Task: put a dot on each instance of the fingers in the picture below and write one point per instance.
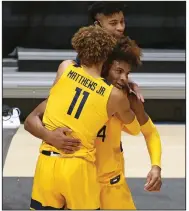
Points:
(148, 179)
(154, 186)
(71, 142)
(140, 97)
(149, 185)
(66, 129)
(69, 149)
(159, 186)
(70, 145)
(136, 89)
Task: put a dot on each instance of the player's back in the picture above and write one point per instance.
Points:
(79, 102)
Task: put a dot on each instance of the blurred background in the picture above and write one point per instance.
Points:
(36, 38)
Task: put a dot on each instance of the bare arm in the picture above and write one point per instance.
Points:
(33, 124)
(118, 103)
(138, 108)
(153, 143)
(148, 129)
(136, 89)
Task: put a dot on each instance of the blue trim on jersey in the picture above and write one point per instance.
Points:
(77, 60)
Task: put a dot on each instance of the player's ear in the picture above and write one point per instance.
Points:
(97, 23)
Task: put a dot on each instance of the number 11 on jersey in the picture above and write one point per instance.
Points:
(74, 101)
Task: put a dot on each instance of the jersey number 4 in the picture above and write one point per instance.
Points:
(81, 105)
(102, 133)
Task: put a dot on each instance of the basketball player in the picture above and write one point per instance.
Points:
(115, 193)
(112, 19)
(110, 16)
(81, 100)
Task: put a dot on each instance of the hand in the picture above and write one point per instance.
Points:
(134, 87)
(153, 181)
(136, 105)
(58, 139)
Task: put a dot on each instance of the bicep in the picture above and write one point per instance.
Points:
(35, 117)
(39, 110)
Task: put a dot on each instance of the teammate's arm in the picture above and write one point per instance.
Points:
(33, 124)
(136, 89)
(153, 143)
(148, 129)
(118, 104)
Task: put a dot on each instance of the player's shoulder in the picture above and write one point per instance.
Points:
(66, 63)
(63, 66)
(118, 94)
(119, 97)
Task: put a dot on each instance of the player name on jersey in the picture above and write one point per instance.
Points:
(86, 82)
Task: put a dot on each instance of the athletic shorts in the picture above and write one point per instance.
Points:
(58, 180)
(115, 194)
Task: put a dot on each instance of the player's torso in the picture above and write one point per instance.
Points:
(78, 101)
(108, 151)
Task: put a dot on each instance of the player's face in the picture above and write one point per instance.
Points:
(114, 24)
(118, 74)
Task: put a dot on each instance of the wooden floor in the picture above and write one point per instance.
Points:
(24, 149)
(21, 159)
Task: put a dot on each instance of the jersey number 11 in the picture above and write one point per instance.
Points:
(81, 105)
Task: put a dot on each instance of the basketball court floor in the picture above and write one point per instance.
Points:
(22, 156)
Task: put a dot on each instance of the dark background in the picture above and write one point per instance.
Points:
(50, 25)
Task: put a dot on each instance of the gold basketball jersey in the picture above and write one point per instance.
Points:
(79, 102)
(108, 149)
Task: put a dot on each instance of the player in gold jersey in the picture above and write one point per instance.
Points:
(115, 193)
(112, 19)
(78, 90)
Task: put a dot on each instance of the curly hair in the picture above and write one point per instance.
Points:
(125, 50)
(93, 45)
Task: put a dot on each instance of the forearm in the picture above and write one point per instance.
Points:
(33, 124)
(153, 142)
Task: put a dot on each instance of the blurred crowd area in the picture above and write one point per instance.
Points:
(50, 25)
(36, 38)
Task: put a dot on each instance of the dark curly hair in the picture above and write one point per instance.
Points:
(93, 45)
(106, 8)
(125, 50)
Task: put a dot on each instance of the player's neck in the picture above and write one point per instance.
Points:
(94, 70)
